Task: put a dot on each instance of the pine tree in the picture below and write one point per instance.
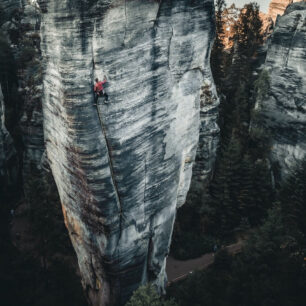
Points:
(217, 56)
(248, 29)
(147, 296)
(224, 188)
(235, 109)
(293, 202)
(247, 39)
(241, 113)
(7, 67)
(262, 85)
(246, 196)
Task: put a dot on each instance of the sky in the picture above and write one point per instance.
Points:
(264, 4)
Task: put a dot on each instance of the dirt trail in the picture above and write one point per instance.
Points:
(23, 238)
(179, 269)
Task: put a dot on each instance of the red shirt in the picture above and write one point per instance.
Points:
(99, 86)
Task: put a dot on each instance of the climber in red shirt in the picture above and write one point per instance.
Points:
(99, 89)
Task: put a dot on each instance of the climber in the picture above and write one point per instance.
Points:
(99, 90)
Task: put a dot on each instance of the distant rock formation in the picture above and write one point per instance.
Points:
(267, 24)
(283, 109)
(278, 7)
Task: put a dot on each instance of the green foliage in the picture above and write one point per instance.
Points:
(247, 39)
(259, 141)
(236, 200)
(241, 190)
(224, 186)
(217, 54)
(46, 214)
(271, 270)
(208, 288)
(268, 272)
(3, 15)
(27, 55)
(248, 30)
(237, 87)
(49, 277)
(148, 296)
(8, 80)
(262, 85)
(22, 282)
(292, 200)
(7, 73)
(27, 52)
(186, 245)
(223, 260)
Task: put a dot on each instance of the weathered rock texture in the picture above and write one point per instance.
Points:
(267, 24)
(22, 29)
(208, 141)
(122, 169)
(8, 168)
(7, 7)
(30, 87)
(278, 7)
(284, 108)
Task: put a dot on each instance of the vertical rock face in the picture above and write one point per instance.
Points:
(8, 170)
(122, 168)
(23, 31)
(267, 24)
(7, 7)
(30, 86)
(283, 108)
(208, 139)
(278, 7)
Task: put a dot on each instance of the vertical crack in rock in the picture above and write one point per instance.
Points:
(295, 30)
(121, 215)
(133, 155)
(145, 187)
(125, 23)
(169, 47)
(155, 20)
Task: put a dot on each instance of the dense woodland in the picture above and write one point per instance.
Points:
(242, 200)
(241, 190)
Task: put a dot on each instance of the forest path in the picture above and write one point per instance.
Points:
(180, 269)
(23, 239)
